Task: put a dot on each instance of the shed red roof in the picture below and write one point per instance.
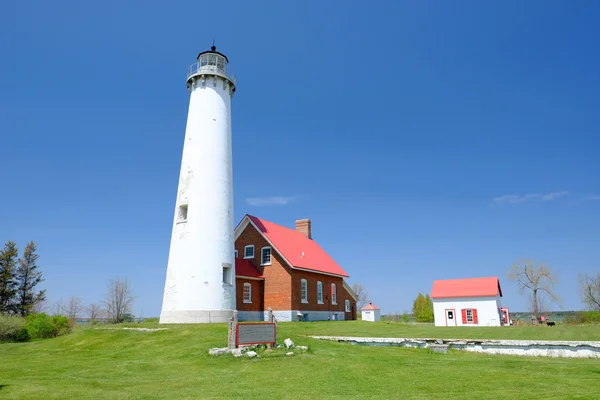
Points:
(245, 268)
(471, 287)
(370, 307)
(297, 249)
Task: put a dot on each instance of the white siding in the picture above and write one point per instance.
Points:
(370, 315)
(488, 313)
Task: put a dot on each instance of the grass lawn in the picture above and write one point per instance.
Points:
(174, 364)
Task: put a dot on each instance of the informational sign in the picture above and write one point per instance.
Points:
(255, 333)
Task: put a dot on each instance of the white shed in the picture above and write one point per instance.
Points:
(370, 313)
(468, 302)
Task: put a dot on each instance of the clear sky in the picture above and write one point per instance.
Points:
(425, 139)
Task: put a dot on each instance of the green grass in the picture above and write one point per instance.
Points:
(173, 364)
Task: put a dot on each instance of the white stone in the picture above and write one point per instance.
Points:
(289, 353)
(288, 343)
(202, 243)
(238, 352)
(304, 348)
(251, 354)
(218, 351)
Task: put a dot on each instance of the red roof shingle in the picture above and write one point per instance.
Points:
(297, 249)
(245, 268)
(370, 306)
(470, 287)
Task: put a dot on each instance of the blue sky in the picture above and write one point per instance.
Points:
(426, 139)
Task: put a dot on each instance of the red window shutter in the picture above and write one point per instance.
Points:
(464, 315)
(475, 321)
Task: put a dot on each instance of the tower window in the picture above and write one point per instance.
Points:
(227, 273)
(235, 252)
(183, 213)
(249, 251)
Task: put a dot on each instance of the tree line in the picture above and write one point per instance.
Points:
(19, 294)
(19, 278)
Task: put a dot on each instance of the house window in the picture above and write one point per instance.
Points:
(183, 212)
(320, 292)
(235, 252)
(247, 293)
(347, 305)
(304, 291)
(265, 256)
(333, 294)
(227, 273)
(469, 316)
(249, 251)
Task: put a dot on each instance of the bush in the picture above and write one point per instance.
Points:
(153, 320)
(63, 324)
(584, 317)
(41, 326)
(11, 328)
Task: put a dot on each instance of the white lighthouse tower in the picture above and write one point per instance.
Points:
(200, 282)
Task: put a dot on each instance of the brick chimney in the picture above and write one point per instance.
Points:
(303, 225)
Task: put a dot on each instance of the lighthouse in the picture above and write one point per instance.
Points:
(200, 279)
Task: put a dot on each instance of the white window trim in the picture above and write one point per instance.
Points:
(347, 302)
(304, 283)
(252, 246)
(227, 266)
(270, 257)
(319, 292)
(249, 286)
(333, 294)
(235, 253)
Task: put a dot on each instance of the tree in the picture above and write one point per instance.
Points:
(8, 262)
(118, 301)
(589, 287)
(73, 308)
(423, 308)
(361, 294)
(27, 277)
(538, 281)
(94, 311)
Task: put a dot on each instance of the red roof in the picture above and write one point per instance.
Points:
(370, 307)
(245, 268)
(297, 249)
(471, 287)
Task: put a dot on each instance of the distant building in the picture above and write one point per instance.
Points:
(468, 302)
(370, 313)
(286, 270)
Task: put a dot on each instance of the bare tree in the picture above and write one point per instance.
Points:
(73, 308)
(536, 280)
(58, 308)
(40, 307)
(589, 287)
(361, 294)
(118, 301)
(94, 311)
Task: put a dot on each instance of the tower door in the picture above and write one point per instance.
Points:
(450, 317)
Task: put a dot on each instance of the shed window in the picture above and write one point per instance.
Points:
(469, 316)
(304, 291)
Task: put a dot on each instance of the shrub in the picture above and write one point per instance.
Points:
(63, 324)
(153, 320)
(584, 317)
(41, 326)
(11, 328)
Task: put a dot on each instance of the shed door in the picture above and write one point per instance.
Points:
(451, 317)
